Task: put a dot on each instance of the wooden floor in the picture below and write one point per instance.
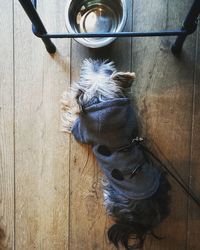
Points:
(50, 197)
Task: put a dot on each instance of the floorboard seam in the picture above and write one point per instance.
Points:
(14, 156)
(191, 140)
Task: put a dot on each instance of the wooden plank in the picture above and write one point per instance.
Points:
(42, 159)
(163, 93)
(6, 127)
(194, 211)
(88, 220)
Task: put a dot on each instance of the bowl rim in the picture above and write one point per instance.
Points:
(104, 41)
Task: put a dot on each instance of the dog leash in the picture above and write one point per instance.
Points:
(116, 173)
(138, 141)
(176, 176)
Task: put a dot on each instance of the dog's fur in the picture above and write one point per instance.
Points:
(134, 218)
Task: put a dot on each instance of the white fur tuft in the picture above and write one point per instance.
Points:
(95, 80)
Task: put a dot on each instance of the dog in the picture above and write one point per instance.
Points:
(97, 110)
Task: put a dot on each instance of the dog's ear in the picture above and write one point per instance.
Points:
(123, 79)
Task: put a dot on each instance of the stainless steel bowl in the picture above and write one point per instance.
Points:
(85, 16)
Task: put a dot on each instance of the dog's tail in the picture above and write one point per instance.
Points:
(131, 233)
(123, 233)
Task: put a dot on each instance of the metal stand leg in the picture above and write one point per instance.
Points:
(38, 27)
(189, 25)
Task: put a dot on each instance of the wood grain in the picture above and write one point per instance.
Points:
(50, 191)
(88, 220)
(194, 211)
(42, 159)
(164, 96)
(6, 127)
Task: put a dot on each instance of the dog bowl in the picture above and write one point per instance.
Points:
(95, 16)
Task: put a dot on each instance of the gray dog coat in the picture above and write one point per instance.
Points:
(113, 125)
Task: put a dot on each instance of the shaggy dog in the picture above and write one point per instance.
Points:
(98, 112)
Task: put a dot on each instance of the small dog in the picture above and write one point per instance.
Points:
(98, 111)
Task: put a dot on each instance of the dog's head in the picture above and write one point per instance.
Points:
(101, 79)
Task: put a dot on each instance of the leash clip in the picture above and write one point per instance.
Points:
(137, 140)
(134, 141)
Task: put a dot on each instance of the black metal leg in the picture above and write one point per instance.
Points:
(38, 27)
(189, 25)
